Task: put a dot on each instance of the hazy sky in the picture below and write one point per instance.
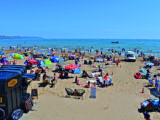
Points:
(81, 18)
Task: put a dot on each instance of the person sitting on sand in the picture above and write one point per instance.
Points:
(84, 74)
(39, 72)
(106, 81)
(88, 85)
(44, 77)
(61, 75)
(46, 69)
(14, 62)
(148, 73)
(32, 71)
(99, 80)
(36, 74)
(76, 62)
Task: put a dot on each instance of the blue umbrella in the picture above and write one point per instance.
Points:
(149, 63)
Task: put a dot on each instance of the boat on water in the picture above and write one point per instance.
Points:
(116, 42)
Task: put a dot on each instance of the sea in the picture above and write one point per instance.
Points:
(147, 46)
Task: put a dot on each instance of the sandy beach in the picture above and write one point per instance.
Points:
(118, 102)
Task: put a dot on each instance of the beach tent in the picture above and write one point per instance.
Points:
(1, 52)
(76, 71)
(41, 63)
(55, 59)
(48, 62)
(71, 67)
(18, 56)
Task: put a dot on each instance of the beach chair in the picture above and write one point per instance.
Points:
(78, 93)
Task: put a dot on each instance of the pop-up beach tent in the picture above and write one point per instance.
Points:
(41, 63)
(48, 62)
(55, 59)
(77, 71)
(18, 56)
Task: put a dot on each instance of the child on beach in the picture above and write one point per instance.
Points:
(106, 81)
(117, 62)
(88, 85)
(54, 79)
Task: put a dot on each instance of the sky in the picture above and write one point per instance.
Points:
(120, 19)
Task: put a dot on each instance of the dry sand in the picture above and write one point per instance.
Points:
(118, 102)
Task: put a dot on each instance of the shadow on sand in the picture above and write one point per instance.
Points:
(154, 92)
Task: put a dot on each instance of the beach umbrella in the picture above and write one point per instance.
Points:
(33, 61)
(71, 67)
(149, 63)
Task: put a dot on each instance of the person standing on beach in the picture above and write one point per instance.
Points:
(101, 52)
(97, 51)
(76, 62)
(123, 50)
(117, 62)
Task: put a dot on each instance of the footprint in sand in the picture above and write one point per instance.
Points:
(106, 107)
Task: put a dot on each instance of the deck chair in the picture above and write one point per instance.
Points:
(69, 91)
(78, 93)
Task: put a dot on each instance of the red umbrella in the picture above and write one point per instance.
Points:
(32, 61)
(71, 67)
